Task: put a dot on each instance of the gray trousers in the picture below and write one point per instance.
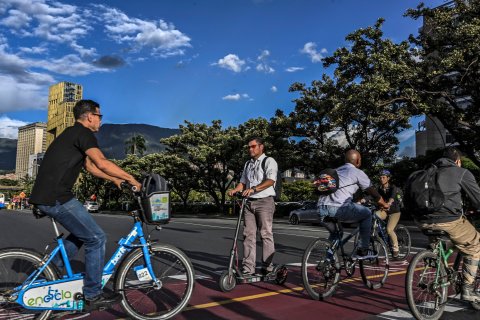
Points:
(258, 216)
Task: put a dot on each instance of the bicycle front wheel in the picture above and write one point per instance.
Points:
(16, 265)
(426, 296)
(320, 269)
(145, 299)
(476, 305)
(404, 242)
(374, 271)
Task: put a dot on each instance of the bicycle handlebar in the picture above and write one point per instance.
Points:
(126, 185)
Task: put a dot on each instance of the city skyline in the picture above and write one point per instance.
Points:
(161, 63)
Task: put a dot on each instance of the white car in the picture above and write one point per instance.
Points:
(307, 213)
(91, 206)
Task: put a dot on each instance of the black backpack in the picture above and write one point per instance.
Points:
(423, 195)
(278, 183)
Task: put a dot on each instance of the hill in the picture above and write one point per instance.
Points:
(112, 137)
(8, 153)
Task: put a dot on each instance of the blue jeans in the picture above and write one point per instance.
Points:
(83, 230)
(351, 212)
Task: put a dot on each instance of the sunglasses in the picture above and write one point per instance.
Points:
(100, 116)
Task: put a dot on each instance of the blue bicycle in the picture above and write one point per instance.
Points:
(155, 280)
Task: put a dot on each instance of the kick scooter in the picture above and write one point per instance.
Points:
(233, 276)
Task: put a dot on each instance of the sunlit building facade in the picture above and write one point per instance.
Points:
(61, 100)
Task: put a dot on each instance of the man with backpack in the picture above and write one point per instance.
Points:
(434, 197)
(340, 203)
(257, 184)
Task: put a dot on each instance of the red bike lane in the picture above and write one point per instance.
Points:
(262, 300)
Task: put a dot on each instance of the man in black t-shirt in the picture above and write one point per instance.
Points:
(52, 193)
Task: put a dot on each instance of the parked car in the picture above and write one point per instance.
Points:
(91, 206)
(307, 213)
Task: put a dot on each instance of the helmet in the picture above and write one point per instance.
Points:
(385, 172)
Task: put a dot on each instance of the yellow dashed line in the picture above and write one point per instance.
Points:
(274, 293)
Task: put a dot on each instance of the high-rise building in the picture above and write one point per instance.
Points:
(61, 99)
(31, 140)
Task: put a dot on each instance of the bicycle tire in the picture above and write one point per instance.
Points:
(16, 264)
(141, 299)
(320, 274)
(420, 276)
(374, 271)
(404, 242)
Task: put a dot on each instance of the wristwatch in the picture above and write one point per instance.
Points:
(254, 189)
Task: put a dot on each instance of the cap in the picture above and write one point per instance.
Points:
(385, 172)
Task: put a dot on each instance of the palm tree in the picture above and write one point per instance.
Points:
(135, 145)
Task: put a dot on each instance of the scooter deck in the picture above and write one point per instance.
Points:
(256, 278)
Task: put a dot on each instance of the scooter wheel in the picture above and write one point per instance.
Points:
(281, 274)
(227, 281)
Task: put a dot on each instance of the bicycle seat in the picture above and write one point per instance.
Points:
(330, 219)
(434, 233)
(37, 213)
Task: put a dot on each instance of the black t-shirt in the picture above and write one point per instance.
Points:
(61, 165)
(390, 193)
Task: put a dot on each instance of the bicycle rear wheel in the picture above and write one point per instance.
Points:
(374, 271)
(144, 299)
(320, 269)
(426, 296)
(476, 305)
(16, 265)
(404, 242)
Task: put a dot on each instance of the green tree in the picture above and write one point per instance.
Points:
(449, 66)
(135, 145)
(179, 172)
(362, 107)
(299, 190)
(213, 152)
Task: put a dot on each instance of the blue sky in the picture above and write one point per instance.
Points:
(163, 62)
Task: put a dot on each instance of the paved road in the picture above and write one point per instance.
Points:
(207, 242)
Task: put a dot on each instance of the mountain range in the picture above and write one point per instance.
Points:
(111, 139)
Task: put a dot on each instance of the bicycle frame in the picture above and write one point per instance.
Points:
(338, 241)
(66, 292)
(444, 255)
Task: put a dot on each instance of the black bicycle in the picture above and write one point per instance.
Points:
(379, 230)
(324, 259)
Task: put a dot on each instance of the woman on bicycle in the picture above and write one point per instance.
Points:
(389, 194)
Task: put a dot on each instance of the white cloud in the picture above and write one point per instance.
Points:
(33, 50)
(237, 96)
(231, 62)
(294, 69)
(164, 39)
(274, 89)
(49, 20)
(310, 48)
(405, 135)
(68, 65)
(16, 96)
(263, 65)
(9, 127)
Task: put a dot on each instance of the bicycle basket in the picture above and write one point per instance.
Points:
(155, 200)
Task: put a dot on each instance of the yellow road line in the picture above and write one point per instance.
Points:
(273, 293)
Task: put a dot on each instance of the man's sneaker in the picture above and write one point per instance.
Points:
(469, 294)
(102, 301)
(266, 270)
(364, 253)
(247, 273)
(395, 255)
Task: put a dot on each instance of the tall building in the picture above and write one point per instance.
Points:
(61, 99)
(431, 135)
(31, 140)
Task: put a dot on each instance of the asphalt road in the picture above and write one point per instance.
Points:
(207, 242)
